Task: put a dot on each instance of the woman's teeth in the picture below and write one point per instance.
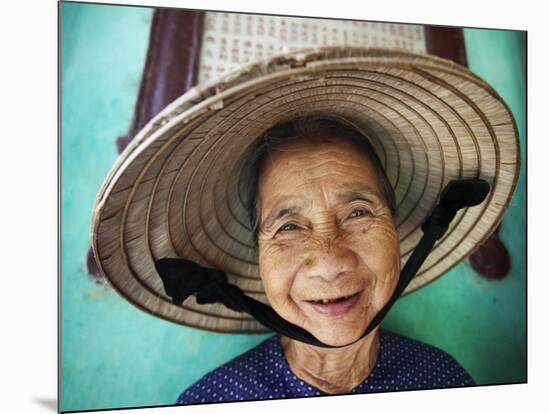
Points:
(325, 301)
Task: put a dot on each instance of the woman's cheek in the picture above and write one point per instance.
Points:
(381, 253)
(378, 244)
(277, 270)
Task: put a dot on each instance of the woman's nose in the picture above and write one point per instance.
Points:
(328, 260)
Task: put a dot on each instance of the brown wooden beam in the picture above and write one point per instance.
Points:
(446, 42)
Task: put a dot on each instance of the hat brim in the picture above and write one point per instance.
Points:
(175, 190)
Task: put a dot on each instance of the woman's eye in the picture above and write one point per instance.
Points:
(288, 227)
(358, 212)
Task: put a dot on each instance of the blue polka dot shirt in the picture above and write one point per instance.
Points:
(263, 373)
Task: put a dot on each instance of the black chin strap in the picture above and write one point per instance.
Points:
(183, 277)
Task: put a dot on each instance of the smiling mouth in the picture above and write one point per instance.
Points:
(335, 307)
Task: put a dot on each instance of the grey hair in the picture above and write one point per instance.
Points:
(320, 124)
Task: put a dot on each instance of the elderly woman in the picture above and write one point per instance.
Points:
(322, 211)
(365, 158)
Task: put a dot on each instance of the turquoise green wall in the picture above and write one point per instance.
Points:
(114, 355)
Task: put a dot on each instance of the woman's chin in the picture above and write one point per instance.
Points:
(334, 336)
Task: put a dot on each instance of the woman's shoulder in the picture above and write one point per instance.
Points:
(419, 364)
(242, 378)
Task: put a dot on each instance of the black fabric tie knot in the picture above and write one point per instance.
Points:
(182, 277)
(456, 195)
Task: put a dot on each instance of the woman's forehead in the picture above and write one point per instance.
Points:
(314, 158)
(330, 169)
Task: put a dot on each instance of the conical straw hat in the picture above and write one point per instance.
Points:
(174, 191)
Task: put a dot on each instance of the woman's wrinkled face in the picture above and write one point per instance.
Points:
(328, 248)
